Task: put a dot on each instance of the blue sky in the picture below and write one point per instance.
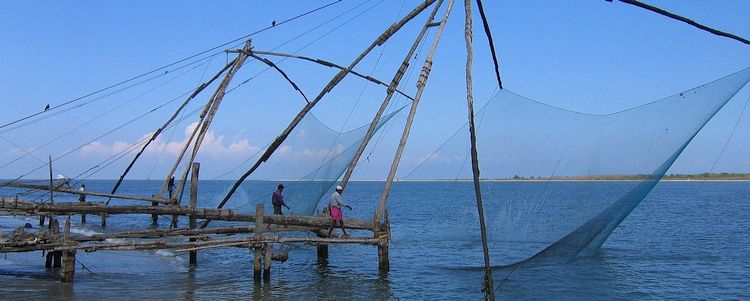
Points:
(590, 56)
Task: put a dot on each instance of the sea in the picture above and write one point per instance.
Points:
(686, 241)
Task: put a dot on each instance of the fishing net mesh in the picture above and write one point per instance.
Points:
(551, 213)
(308, 164)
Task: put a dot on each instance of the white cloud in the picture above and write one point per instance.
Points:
(213, 145)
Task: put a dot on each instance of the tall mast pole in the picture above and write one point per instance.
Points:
(421, 83)
(489, 292)
(391, 89)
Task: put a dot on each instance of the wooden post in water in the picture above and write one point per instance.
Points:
(421, 83)
(488, 286)
(258, 251)
(103, 217)
(193, 202)
(54, 228)
(154, 216)
(68, 258)
(268, 251)
(322, 250)
(383, 262)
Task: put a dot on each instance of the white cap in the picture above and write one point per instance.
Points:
(339, 188)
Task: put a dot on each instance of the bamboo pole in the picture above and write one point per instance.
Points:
(421, 83)
(489, 292)
(331, 84)
(391, 88)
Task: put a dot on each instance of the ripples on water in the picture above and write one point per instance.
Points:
(685, 241)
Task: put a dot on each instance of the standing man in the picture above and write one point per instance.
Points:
(336, 215)
(278, 200)
(82, 199)
(170, 187)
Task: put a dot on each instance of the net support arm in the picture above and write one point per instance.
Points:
(332, 65)
(171, 118)
(217, 98)
(391, 88)
(488, 290)
(421, 83)
(334, 81)
(685, 20)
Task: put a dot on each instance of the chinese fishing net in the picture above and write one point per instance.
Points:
(308, 164)
(552, 212)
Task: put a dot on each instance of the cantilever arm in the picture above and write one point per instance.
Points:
(332, 65)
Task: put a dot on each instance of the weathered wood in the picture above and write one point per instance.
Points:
(245, 242)
(258, 250)
(391, 88)
(91, 193)
(51, 201)
(68, 257)
(103, 219)
(216, 98)
(200, 213)
(421, 83)
(488, 287)
(193, 255)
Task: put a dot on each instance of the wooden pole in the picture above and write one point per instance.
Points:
(51, 201)
(421, 83)
(391, 88)
(91, 193)
(200, 213)
(331, 84)
(217, 97)
(193, 202)
(258, 251)
(68, 258)
(488, 289)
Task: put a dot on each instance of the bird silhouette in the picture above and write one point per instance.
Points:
(273, 23)
(47, 107)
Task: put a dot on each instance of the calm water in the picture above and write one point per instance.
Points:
(687, 240)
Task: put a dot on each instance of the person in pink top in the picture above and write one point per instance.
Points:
(336, 204)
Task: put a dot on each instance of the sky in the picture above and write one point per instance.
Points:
(589, 56)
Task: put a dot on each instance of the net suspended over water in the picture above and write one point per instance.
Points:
(553, 218)
(308, 164)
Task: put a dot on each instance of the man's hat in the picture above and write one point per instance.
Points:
(339, 188)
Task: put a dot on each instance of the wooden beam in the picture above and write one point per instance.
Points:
(201, 213)
(73, 191)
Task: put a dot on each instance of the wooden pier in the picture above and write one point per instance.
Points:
(257, 232)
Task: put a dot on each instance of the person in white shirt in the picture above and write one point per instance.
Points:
(336, 204)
